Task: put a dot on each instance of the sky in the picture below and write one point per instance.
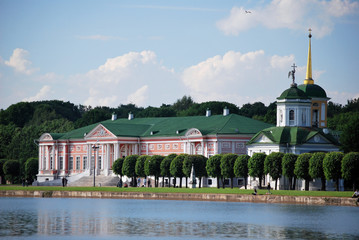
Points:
(149, 53)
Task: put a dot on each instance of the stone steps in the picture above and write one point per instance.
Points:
(87, 181)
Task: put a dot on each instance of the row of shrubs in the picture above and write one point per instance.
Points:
(306, 166)
(14, 171)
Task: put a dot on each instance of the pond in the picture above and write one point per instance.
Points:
(40, 218)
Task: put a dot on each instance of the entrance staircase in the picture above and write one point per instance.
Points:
(87, 181)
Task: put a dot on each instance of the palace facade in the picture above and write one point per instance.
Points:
(94, 148)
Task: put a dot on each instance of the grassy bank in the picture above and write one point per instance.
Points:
(181, 190)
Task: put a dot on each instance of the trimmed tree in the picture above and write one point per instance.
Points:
(227, 165)
(213, 168)
(200, 168)
(332, 165)
(2, 175)
(256, 166)
(11, 170)
(176, 168)
(273, 166)
(140, 165)
(165, 168)
(288, 166)
(240, 168)
(350, 168)
(153, 167)
(117, 166)
(316, 167)
(31, 169)
(187, 166)
(301, 169)
(129, 168)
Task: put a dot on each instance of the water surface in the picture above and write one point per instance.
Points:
(41, 218)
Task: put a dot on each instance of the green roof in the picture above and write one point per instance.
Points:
(293, 93)
(174, 126)
(292, 135)
(313, 90)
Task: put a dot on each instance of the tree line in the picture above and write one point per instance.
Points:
(306, 166)
(24, 122)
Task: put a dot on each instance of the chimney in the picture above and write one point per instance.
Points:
(225, 111)
(130, 116)
(114, 116)
(208, 112)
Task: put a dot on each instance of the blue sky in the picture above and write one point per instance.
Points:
(107, 53)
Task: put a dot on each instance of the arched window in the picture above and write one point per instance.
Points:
(291, 115)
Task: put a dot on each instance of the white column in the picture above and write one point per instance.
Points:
(115, 151)
(233, 147)
(53, 157)
(146, 148)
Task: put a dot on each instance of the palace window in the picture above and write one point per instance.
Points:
(99, 162)
(84, 162)
(61, 163)
(77, 163)
(51, 163)
(71, 163)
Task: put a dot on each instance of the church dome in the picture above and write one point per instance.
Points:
(313, 90)
(293, 93)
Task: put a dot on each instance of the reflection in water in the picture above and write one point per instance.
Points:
(169, 219)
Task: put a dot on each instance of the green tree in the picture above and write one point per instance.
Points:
(273, 165)
(188, 161)
(117, 166)
(227, 165)
(140, 165)
(301, 169)
(200, 168)
(31, 169)
(2, 175)
(316, 167)
(213, 168)
(153, 167)
(288, 166)
(332, 165)
(240, 168)
(129, 168)
(199, 165)
(349, 138)
(11, 170)
(256, 166)
(165, 168)
(176, 168)
(350, 168)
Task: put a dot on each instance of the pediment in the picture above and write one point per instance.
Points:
(318, 139)
(100, 132)
(262, 139)
(46, 137)
(193, 132)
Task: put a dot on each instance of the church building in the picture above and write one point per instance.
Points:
(301, 121)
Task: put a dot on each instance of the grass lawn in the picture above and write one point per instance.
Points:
(180, 190)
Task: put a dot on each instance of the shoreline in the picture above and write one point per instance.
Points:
(305, 200)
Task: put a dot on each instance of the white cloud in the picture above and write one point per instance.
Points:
(239, 78)
(135, 77)
(43, 94)
(341, 97)
(19, 62)
(139, 97)
(291, 14)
